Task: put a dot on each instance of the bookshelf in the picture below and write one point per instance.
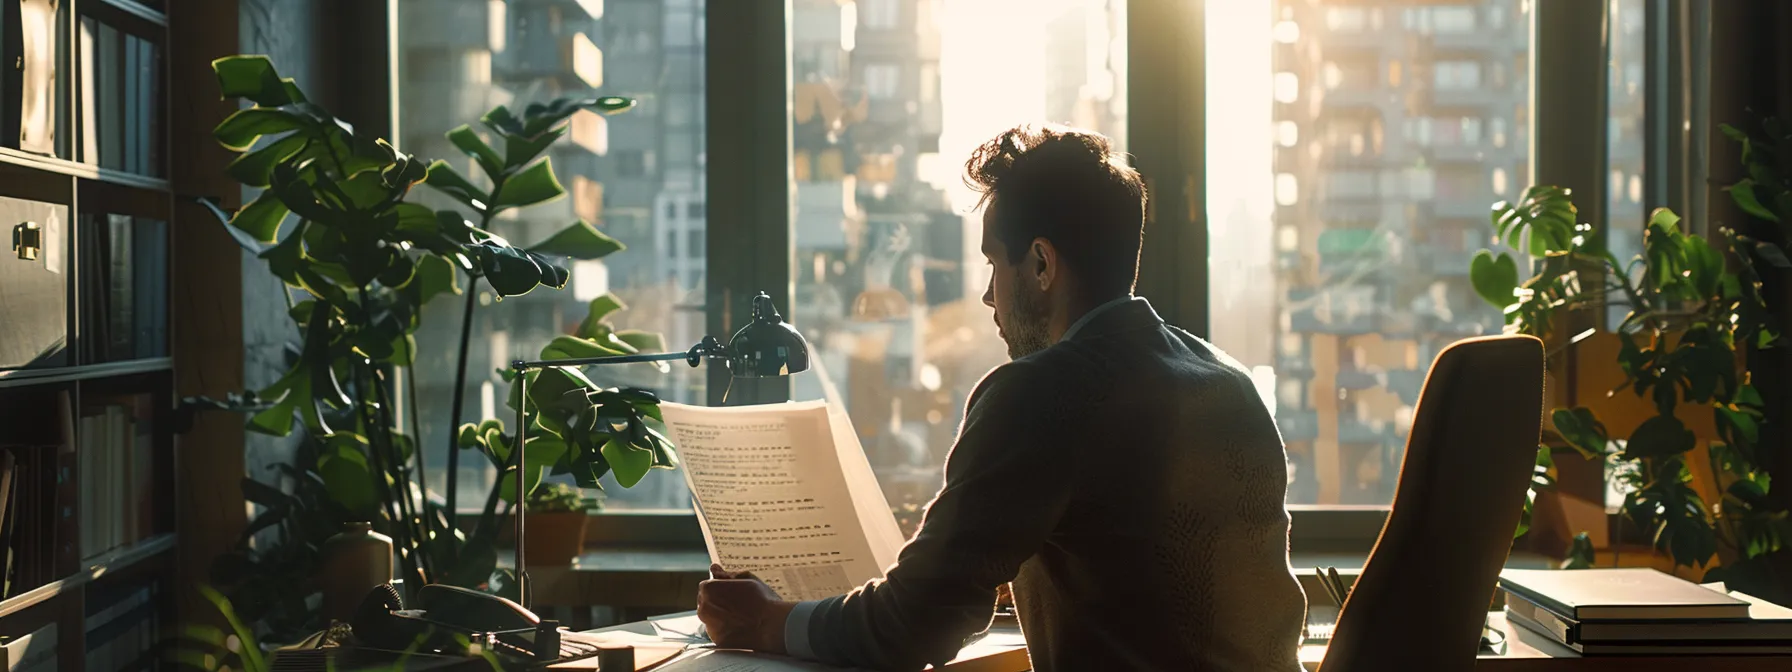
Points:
(87, 375)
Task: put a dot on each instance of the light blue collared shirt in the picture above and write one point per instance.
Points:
(796, 625)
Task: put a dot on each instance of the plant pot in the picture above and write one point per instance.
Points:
(554, 539)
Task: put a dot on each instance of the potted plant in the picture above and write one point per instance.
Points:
(557, 513)
(1690, 465)
(358, 260)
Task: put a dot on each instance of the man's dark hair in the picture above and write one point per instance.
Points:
(1067, 186)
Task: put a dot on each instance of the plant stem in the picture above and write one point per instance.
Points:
(417, 524)
(410, 383)
(460, 386)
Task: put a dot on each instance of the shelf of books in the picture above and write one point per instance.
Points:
(87, 460)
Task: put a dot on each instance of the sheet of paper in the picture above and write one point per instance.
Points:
(785, 491)
(740, 661)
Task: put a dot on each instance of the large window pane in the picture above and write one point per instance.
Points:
(1624, 209)
(1352, 157)
(890, 98)
(637, 176)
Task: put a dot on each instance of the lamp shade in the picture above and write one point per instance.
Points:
(768, 346)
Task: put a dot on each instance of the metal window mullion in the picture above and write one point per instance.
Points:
(1166, 126)
(750, 190)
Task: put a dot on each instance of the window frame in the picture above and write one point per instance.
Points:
(750, 181)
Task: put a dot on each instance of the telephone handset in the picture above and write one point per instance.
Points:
(451, 620)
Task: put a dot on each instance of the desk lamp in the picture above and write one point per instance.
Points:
(767, 347)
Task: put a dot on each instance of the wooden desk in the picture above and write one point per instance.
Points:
(1527, 651)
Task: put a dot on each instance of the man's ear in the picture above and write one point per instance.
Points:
(1044, 258)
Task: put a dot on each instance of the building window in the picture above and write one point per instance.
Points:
(694, 210)
(1456, 75)
(1346, 19)
(882, 80)
(631, 163)
(694, 247)
(880, 14)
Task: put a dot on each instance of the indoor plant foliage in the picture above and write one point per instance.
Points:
(358, 261)
(1693, 320)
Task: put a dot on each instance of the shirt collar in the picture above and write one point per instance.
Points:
(1093, 312)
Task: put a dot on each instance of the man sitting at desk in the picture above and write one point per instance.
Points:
(1121, 472)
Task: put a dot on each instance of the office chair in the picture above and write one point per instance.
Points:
(1423, 595)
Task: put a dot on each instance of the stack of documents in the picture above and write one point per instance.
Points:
(1643, 612)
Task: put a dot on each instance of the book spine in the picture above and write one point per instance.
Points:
(89, 105)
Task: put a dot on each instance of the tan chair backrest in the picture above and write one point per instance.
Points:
(1423, 595)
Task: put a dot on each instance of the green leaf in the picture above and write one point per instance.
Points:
(643, 341)
(579, 241)
(256, 168)
(519, 150)
(508, 270)
(572, 347)
(435, 276)
(1772, 254)
(1494, 278)
(239, 131)
(596, 312)
(444, 178)
(275, 421)
(541, 452)
(1582, 431)
(346, 476)
(1743, 193)
(628, 463)
(1659, 436)
(243, 238)
(535, 184)
(1706, 266)
(253, 77)
(261, 218)
(469, 142)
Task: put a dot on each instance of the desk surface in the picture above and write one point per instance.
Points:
(1526, 651)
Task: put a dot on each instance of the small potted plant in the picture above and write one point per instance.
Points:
(557, 514)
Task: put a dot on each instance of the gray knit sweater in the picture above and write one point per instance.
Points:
(1129, 482)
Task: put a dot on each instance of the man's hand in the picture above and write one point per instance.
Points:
(741, 612)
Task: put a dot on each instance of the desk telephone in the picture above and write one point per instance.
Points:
(456, 621)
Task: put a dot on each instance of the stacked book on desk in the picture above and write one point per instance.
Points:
(1643, 612)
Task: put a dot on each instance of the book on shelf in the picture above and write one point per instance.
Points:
(121, 627)
(1620, 594)
(8, 518)
(38, 53)
(34, 652)
(116, 472)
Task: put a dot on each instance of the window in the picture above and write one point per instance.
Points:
(694, 246)
(1625, 212)
(889, 276)
(880, 14)
(1355, 317)
(694, 210)
(654, 50)
(882, 80)
(630, 163)
(1346, 19)
(1456, 75)
(1453, 19)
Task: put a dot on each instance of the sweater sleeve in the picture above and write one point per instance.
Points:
(1008, 481)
